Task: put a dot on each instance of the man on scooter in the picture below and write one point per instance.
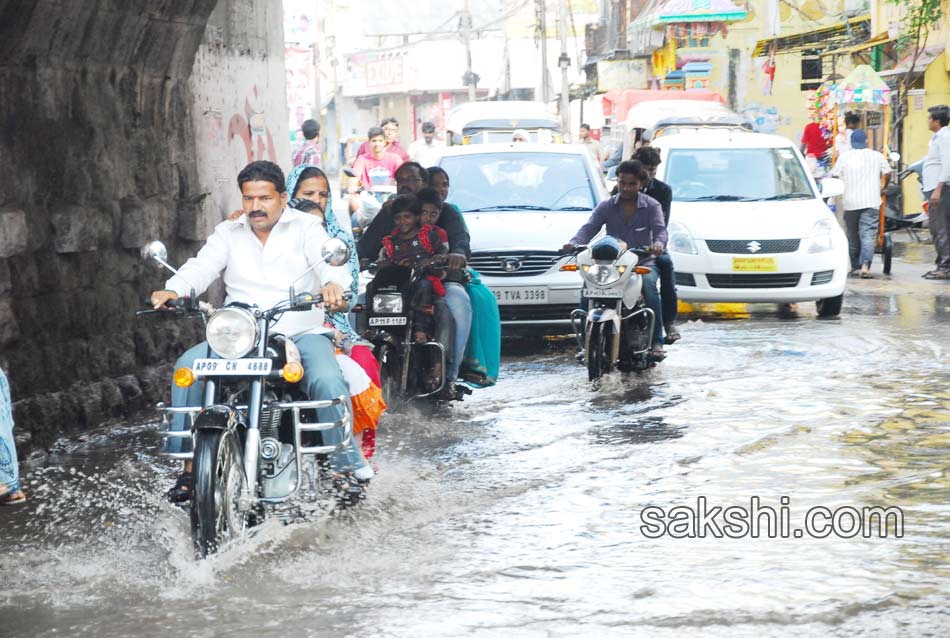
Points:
(378, 168)
(636, 219)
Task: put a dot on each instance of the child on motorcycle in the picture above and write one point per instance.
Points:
(412, 258)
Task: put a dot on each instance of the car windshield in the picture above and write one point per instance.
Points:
(736, 174)
(526, 181)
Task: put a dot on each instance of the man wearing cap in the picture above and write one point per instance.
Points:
(861, 170)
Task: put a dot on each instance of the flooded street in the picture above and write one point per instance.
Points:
(519, 512)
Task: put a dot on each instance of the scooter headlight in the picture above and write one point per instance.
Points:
(600, 275)
(388, 303)
(231, 333)
(821, 240)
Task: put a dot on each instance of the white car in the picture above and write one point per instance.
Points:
(521, 203)
(748, 222)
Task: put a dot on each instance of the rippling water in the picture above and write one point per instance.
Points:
(518, 512)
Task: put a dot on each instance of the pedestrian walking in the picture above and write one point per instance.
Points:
(428, 150)
(10, 492)
(936, 177)
(861, 170)
(308, 152)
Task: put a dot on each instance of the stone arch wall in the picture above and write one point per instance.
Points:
(97, 153)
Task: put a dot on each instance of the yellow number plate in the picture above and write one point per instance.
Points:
(754, 264)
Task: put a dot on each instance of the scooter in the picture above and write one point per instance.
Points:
(371, 202)
(617, 330)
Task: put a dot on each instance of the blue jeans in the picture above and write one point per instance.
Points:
(651, 297)
(862, 226)
(9, 468)
(664, 264)
(322, 378)
(461, 308)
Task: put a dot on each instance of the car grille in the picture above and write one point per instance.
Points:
(494, 264)
(779, 280)
(556, 312)
(822, 277)
(741, 246)
(684, 279)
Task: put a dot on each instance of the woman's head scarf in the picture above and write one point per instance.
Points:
(334, 229)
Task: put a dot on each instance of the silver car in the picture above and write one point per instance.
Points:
(521, 203)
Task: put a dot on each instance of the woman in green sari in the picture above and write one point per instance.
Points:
(483, 350)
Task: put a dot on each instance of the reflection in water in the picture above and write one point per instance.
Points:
(517, 513)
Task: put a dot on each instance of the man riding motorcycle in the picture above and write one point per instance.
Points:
(410, 178)
(636, 219)
(258, 257)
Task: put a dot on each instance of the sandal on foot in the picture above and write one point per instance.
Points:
(866, 275)
(941, 275)
(181, 492)
(11, 497)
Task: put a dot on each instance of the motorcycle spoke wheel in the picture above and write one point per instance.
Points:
(219, 479)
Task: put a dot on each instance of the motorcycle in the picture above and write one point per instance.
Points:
(403, 363)
(617, 330)
(894, 217)
(251, 455)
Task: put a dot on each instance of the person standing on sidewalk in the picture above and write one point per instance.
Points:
(936, 185)
(10, 492)
(861, 169)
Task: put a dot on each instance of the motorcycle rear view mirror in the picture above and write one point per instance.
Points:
(156, 251)
(894, 156)
(348, 171)
(334, 251)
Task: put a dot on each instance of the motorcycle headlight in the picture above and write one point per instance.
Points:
(821, 240)
(680, 240)
(231, 333)
(388, 303)
(602, 275)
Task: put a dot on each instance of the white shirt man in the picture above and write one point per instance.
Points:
(261, 274)
(861, 169)
(428, 150)
(936, 185)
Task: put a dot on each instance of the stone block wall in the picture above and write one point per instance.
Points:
(98, 154)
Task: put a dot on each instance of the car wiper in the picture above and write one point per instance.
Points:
(718, 198)
(507, 207)
(781, 196)
(573, 208)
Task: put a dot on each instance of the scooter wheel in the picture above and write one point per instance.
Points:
(887, 252)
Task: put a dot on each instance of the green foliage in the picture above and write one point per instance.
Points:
(920, 18)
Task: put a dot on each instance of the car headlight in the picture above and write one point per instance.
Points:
(821, 237)
(388, 303)
(680, 240)
(231, 333)
(602, 275)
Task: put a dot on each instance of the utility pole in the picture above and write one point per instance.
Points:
(564, 62)
(543, 26)
(469, 78)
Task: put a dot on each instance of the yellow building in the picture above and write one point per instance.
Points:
(787, 36)
(927, 84)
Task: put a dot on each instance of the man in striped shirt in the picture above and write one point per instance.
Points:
(861, 169)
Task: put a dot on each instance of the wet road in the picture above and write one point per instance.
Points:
(518, 513)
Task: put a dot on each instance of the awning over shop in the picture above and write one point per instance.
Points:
(879, 39)
(926, 56)
(838, 35)
(675, 11)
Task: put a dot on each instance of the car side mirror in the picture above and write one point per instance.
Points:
(831, 187)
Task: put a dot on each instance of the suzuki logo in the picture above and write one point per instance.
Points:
(754, 246)
(511, 265)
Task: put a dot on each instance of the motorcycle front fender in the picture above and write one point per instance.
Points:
(218, 417)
